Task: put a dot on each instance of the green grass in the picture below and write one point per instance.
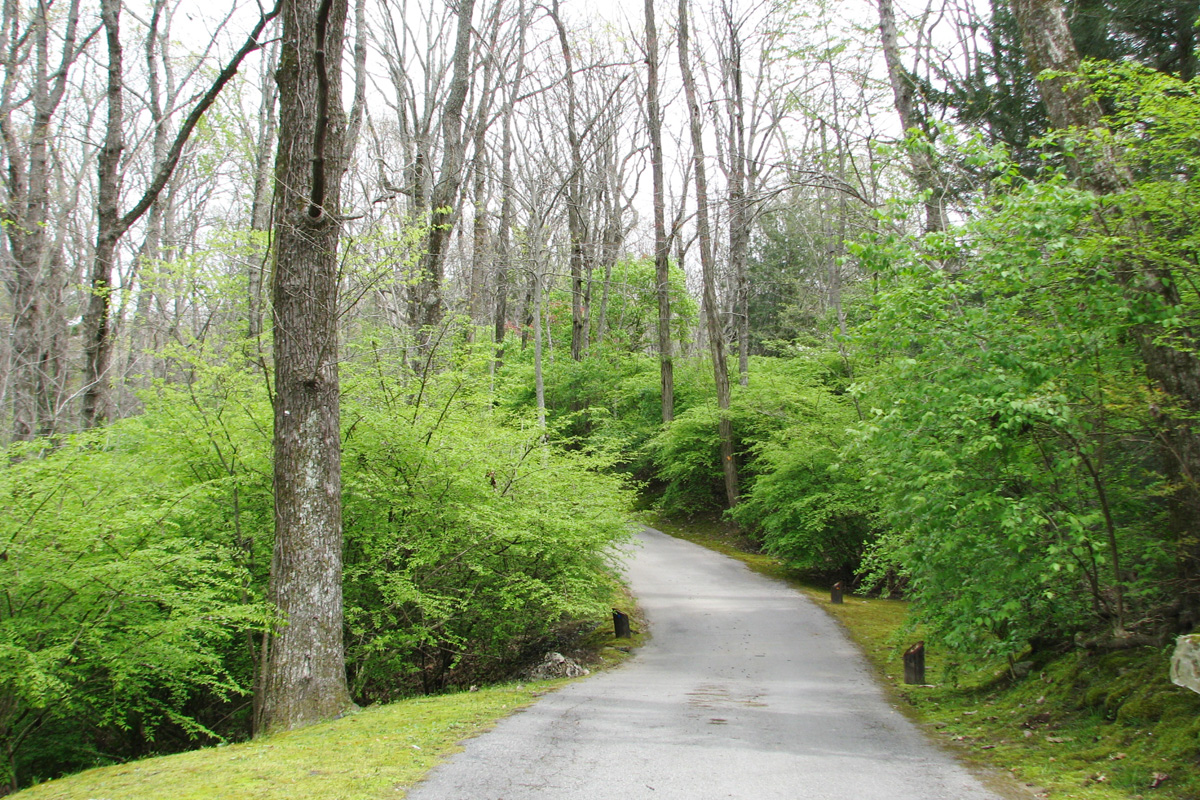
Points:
(1092, 727)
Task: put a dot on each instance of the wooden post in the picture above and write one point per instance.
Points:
(835, 594)
(621, 625)
(914, 664)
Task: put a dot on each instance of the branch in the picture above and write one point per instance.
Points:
(167, 167)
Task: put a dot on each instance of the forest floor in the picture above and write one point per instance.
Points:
(1077, 725)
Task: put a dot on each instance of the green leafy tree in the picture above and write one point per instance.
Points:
(1012, 439)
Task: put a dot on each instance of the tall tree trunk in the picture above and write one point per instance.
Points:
(35, 281)
(711, 311)
(662, 244)
(481, 249)
(305, 679)
(260, 209)
(739, 211)
(904, 91)
(160, 218)
(1173, 363)
(443, 211)
(97, 346)
(575, 224)
(507, 210)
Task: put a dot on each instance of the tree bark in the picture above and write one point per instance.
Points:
(711, 312)
(662, 244)
(443, 211)
(739, 212)
(481, 246)
(575, 225)
(35, 284)
(97, 346)
(305, 679)
(904, 91)
(260, 209)
(507, 210)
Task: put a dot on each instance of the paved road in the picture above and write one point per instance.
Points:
(746, 690)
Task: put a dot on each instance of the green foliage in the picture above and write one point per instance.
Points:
(135, 559)
(807, 504)
(120, 605)
(1011, 436)
(467, 537)
(794, 266)
(798, 496)
(610, 403)
(632, 323)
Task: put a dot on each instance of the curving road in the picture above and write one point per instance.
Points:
(746, 690)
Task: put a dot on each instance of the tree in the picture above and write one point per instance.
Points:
(914, 120)
(715, 335)
(112, 225)
(662, 245)
(1169, 350)
(305, 678)
(443, 201)
(36, 278)
(575, 224)
(504, 248)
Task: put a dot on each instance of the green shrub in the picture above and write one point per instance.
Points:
(120, 609)
(467, 537)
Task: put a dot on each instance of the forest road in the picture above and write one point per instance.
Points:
(745, 690)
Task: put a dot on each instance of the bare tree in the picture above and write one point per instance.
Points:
(507, 188)
(575, 223)
(704, 235)
(35, 279)
(752, 98)
(260, 209)
(111, 223)
(429, 304)
(662, 245)
(914, 120)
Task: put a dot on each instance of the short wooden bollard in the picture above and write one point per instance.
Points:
(835, 594)
(621, 625)
(914, 664)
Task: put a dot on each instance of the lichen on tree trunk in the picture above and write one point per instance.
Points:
(305, 680)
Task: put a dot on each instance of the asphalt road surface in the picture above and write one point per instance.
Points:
(745, 690)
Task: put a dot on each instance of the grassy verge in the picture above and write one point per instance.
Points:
(1092, 727)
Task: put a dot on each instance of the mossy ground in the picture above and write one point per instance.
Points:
(1088, 726)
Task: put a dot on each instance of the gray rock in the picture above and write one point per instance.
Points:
(1021, 669)
(1185, 663)
(556, 665)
